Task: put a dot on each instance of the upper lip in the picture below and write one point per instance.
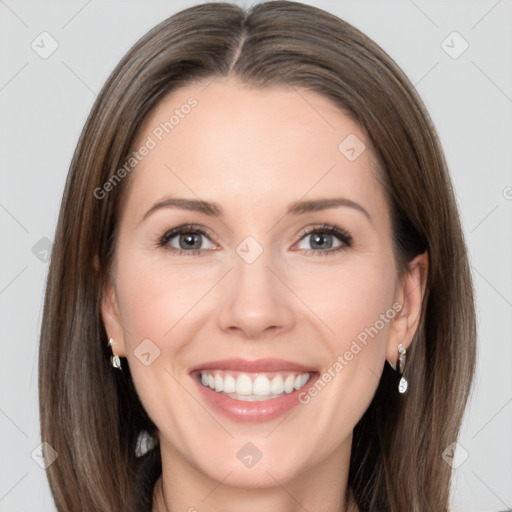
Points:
(259, 365)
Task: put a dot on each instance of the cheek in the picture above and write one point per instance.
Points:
(349, 297)
(151, 306)
(364, 307)
(356, 303)
(154, 297)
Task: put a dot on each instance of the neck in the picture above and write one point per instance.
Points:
(323, 489)
(161, 503)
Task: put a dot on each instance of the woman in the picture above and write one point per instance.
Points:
(196, 354)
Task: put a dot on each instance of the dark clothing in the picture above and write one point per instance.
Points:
(148, 469)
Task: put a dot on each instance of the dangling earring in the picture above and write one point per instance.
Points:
(402, 385)
(114, 359)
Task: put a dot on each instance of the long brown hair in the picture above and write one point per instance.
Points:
(91, 414)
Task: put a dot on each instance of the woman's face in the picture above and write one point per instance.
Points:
(257, 278)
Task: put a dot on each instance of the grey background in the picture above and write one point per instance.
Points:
(44, 104)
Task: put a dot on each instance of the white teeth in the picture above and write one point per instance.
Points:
(241, 386)
(229, 384)
(219, 383)
(277, 385)
(261, 386)
(288, 383)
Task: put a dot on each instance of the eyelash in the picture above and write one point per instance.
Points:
(345, 236)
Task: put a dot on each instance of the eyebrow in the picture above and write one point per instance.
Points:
(296, 208)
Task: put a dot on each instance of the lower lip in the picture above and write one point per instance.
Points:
(264, 410)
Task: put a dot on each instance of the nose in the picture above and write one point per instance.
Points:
(255, 301)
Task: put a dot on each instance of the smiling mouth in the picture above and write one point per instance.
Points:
(252, 387)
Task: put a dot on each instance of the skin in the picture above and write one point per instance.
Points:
(255, 151)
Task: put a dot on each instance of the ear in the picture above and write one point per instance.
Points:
(409, 294)
(112, 318)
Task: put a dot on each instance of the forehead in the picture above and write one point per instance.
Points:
(239, 144)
